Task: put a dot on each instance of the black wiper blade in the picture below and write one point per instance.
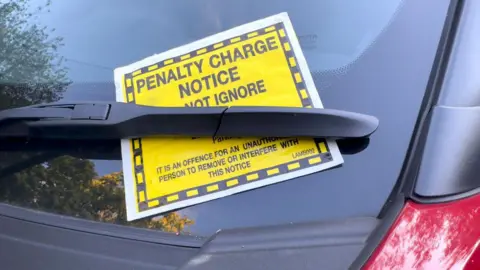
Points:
(115, 120)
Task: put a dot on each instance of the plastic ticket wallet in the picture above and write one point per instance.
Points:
(256, 64)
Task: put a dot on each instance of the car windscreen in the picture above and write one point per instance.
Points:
(372, 57)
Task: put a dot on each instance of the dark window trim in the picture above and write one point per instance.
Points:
(377, 235)
(406, 181)
(100, 228)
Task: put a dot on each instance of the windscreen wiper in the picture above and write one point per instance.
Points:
(92, 130)
(115, 120)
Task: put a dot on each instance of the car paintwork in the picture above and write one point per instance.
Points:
(425, 235)
(432, 236)
(441, 228)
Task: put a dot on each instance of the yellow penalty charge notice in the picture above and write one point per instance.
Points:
(256, 64)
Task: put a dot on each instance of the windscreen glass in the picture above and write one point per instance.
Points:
(372, 57)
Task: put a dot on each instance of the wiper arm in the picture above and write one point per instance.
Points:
(92, 130)
(96, 121)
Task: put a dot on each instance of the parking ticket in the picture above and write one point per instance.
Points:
(256, 64)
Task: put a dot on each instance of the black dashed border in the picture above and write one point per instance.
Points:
(145, 203)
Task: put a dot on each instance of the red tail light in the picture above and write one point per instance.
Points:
(432, 236)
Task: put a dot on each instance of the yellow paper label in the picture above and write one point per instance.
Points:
(254, 68)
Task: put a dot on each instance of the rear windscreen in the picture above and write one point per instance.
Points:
(372, 57)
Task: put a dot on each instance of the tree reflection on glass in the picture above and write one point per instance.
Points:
(32, 72)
